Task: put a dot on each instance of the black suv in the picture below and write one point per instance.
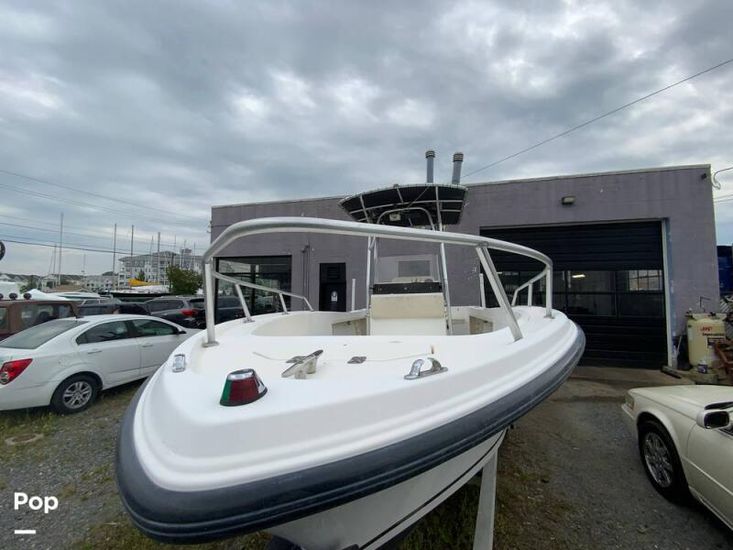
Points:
(182, 310)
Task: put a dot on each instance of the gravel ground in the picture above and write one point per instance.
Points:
(569, 477)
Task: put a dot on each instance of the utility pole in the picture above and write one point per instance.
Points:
(114, 256)
(61, 243)
(52, 267)
(157, 262)
(150, 254)
(132, 246)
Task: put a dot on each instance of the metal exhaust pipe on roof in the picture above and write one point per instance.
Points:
(457, 162)
(430, 156)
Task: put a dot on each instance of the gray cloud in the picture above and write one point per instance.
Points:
(181, 105)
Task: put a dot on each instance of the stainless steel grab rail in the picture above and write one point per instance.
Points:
(258, 226)
(529, 285)
(238, 283)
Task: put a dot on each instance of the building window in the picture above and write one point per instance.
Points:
(269, 271)
(624, 293)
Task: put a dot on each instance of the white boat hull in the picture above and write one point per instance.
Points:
(374, 520)
(353, 454)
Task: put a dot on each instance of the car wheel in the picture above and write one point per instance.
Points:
(75, 394)
(661, 461)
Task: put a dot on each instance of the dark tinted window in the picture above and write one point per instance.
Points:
(270, 271)
(640, 280)
(163, 305)
(137, 309)
(95, 310)
(37, 336)
(32, 314)
(106, 332)
(3, 317)
(641, 305)
(145, 327)
(228, 301)
(157, 305)
(590, 281)
(591, 304)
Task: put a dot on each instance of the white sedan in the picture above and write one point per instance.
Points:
(66, 363)
(685, 438)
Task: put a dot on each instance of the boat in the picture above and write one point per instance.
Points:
(76, 295)
(341, 429)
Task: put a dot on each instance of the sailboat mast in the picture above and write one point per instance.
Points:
(61, 244)
(114, 256)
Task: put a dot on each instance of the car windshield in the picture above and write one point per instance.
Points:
(38, 335)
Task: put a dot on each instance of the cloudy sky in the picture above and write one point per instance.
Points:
(148, 113)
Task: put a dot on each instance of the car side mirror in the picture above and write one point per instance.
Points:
(182, 332)
(713, 420)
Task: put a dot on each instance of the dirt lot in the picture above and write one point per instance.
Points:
(569, 477)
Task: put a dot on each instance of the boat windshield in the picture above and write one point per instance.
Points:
(415, 268)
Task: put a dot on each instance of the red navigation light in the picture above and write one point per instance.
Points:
(12, 369)
(242, 387)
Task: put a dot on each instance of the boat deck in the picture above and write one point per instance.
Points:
(366, 404)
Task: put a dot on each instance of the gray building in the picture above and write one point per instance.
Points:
(100, 283)
(632, 252)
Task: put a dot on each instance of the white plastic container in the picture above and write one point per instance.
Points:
(704, 329)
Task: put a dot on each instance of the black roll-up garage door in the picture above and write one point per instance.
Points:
(608, 278)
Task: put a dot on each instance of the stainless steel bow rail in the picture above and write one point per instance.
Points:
(481, 245)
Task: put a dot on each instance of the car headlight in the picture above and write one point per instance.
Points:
(630, 401)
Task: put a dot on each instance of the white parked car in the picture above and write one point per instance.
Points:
(65, 363)
(685, 438)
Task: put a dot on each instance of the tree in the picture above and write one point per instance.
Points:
(141, 275)
(31, 284)
(183, 281)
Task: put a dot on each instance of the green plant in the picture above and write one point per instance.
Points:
(183, 281)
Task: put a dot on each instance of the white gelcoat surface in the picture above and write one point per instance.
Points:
(187, 441)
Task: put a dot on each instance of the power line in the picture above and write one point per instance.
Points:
(597, 118)
(70, 245)
(84, 191)
(83, 204)
(86, 235)
(30, 241)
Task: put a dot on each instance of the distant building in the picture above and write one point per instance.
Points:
(49, 281)
(100, 283)
(153, 266)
